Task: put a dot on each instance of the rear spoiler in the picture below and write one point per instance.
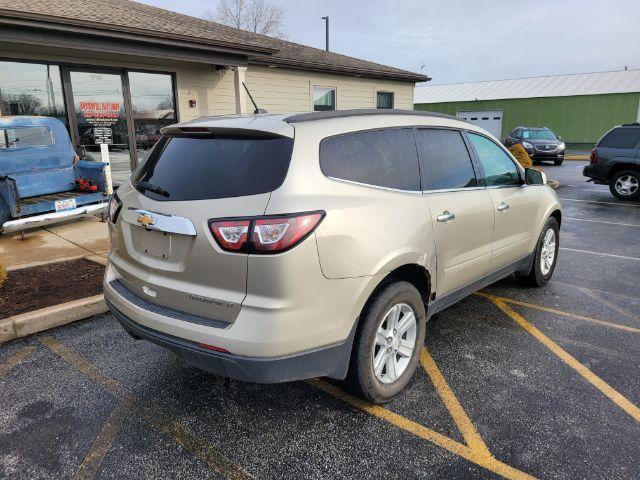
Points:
(173, 131)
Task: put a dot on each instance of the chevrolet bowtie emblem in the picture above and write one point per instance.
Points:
(146, 220)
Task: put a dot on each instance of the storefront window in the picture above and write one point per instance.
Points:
(98, 101)
(153, 108)
(31, 89)
(98, 98)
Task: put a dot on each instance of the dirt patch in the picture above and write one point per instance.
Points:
(46, 285)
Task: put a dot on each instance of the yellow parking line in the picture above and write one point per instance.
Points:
(605, 388)
(460, 417)
(218, 462)
(83, 365)
(15, 359)
(89, 467)
(479, 457)
(561, 312)
(207, 453)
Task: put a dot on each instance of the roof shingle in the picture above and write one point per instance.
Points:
(126, 15)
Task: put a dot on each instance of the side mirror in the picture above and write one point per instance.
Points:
(559, 137)
(534, 177)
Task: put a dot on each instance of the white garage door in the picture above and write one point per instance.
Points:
(490, 120)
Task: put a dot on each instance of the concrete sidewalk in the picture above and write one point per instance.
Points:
(65, 241)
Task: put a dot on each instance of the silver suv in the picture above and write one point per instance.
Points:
(273, 248)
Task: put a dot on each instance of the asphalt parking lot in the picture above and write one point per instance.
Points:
(514, 383)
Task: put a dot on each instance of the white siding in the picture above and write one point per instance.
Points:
(212, 90)
(280, 90)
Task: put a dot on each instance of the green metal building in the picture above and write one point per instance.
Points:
(580, 108)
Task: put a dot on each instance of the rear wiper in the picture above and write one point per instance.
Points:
(151, 187)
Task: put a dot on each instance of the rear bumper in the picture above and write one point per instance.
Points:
(48, 218)
(595, 173)
(331, 361)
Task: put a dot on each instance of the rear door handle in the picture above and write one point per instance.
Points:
(445, 216)
(502, 207)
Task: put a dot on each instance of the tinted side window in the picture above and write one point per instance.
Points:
(444, 159)
(386, 158)
(621, 138)
(497, 166)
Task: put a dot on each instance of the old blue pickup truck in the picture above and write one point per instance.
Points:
(41, 179)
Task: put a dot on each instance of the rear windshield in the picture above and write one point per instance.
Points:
(201, 168)
(25, 137)
(621, 138)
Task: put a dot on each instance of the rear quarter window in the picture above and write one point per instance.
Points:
(384, 158)
(210, 167)
(621, 138)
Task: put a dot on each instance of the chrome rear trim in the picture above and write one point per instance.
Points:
(161, 222)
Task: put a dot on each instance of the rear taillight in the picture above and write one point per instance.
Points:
(594, 156)
(266, 234)
(230, 234)
(114, 207)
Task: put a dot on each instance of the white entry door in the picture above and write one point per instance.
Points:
(490, 120)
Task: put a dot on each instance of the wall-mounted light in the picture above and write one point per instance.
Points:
(192, 104)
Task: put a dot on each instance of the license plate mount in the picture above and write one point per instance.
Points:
(66, 204)
(155, 243)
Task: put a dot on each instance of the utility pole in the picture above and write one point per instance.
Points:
(326, 26)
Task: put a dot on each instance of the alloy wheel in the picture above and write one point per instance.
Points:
(626, 185)
(394, 343)
(548, 253)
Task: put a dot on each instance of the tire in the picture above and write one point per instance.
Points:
(397, 297)
(625, 185)
(541, 272)
(5, 214)
(558, 162)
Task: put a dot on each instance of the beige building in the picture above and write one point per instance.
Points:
(116, 71)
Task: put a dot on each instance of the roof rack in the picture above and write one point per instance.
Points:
(312, 116)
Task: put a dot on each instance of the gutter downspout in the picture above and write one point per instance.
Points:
(241, 94)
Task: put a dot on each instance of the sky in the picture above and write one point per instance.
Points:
(466, 40)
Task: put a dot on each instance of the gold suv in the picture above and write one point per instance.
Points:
(272, 248)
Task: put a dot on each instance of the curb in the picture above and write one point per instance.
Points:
(49, 317)
(97, 258)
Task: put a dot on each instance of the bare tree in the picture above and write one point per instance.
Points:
(258, 16)
(24, 104)
(165, 104)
